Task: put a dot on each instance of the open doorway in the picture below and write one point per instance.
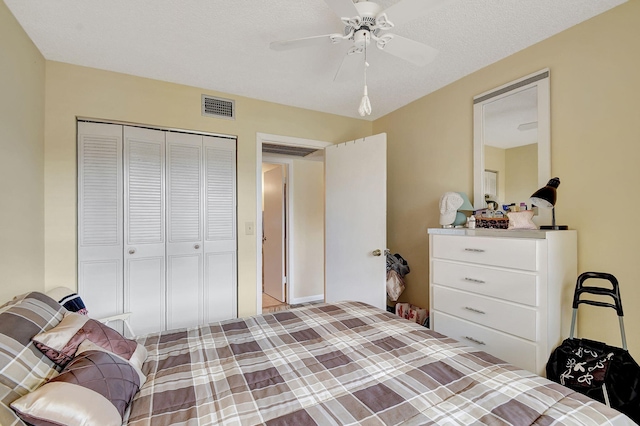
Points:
(303, 217)
(274, 237)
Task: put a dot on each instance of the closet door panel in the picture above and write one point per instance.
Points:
(144, 225)
(220, 291)
(185, 230)
(100, 228)
(184, 290)
(220, 244)
(145, 294)
(100, 286)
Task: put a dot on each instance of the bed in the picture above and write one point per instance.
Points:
(327, 364)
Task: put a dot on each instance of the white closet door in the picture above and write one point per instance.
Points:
(100, 233)
(144, 228)
(185, 293)
(220, 246)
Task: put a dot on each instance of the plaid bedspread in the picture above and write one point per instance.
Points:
(339, 364)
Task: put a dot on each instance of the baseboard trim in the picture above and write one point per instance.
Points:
(307, 299)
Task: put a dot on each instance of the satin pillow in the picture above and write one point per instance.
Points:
(61, 343)
(95, 388)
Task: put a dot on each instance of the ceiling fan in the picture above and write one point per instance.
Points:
(366, 21)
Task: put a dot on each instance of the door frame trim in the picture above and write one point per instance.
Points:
(279, 140)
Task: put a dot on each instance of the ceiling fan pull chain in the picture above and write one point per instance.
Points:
(365, 105)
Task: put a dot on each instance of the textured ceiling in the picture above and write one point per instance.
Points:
(223, 45)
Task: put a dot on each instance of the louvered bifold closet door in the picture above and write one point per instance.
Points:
(220, 244)
(144, 228)
(100, 236)
(185, 292)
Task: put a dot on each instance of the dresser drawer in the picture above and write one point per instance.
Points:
(518, 352)
(519, 287)
(506, 252)
(504, 316)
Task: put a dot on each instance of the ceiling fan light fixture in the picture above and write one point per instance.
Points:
(366, 20)
(383, 22)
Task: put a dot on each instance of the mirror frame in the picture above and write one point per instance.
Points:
(540, 80)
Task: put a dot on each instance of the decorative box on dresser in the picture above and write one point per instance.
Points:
(506, 292)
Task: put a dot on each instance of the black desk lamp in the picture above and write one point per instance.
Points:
(545, 197)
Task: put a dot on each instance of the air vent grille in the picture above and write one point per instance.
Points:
(218, 107)
(297, 151)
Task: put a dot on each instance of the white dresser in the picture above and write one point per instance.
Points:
(506, 292)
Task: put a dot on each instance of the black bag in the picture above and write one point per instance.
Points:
(397, 263)
(605, 373)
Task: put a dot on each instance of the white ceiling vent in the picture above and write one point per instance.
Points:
(218, 107)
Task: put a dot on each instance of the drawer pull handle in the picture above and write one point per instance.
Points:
(479, 342)
(477, 311)
(474, 250)
(473, 280)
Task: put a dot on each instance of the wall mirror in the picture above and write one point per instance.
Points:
(511, 137)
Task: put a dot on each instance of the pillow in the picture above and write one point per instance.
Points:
(135, 361)
(69, 299)
(95, 388)
(61, 343)
(74, 303)
(521, 220)
(22, 366)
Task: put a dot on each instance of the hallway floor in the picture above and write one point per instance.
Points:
(271, 304)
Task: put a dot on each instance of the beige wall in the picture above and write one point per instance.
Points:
(521, 177)
(308, 231)
(595, 150)
(77, 91)
(22, 79)
(495, 159)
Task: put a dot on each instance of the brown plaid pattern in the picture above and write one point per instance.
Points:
(338, 364)
(22, 366)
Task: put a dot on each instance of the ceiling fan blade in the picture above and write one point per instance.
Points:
(307, 41)
(410, 50)
(343, 8)
(351, 65)
(408, 10)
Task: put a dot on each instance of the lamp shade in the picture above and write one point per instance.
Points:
(546, 196)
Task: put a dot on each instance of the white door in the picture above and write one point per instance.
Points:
(185, 293)
(144, 228)
(273, 228)
(100, 236)
(220, 263)
(356, 221)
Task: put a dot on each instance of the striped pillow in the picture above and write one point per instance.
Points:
(23, 367)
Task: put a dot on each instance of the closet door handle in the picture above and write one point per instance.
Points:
(197, 246)
(132, 251)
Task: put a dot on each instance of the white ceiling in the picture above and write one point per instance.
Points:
(223, 45)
